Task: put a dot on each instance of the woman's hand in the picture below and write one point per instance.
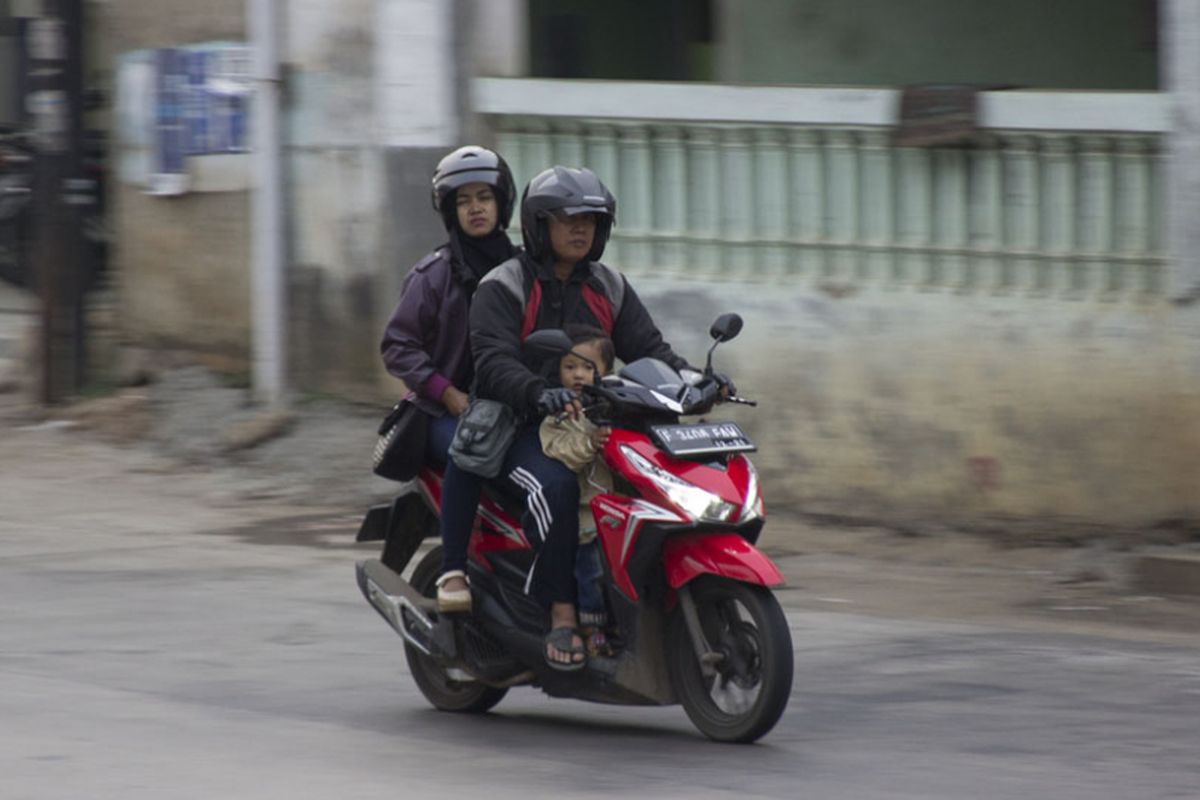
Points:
(454, 401)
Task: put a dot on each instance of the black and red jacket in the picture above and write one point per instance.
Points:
(519, 297)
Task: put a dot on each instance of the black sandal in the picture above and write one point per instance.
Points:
(561, 640)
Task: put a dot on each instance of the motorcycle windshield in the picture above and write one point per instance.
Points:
(653, 374)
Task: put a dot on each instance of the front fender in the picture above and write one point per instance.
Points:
(690, 555)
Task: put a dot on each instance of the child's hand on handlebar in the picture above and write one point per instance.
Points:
(600, 437)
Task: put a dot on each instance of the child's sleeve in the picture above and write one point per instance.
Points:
(569, 441)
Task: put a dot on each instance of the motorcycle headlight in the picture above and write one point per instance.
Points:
(752, 509)
(699, 504)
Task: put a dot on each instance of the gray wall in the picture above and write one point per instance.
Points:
(939, 407)
(180, 264)
(369, 108)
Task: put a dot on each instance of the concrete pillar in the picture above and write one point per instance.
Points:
(704, 181)
(1180, 71)
(417, 102)
(1058, 203)
(1132, 176)
(770, 202)
(737, 203)
(670, 197)
(637, 193)
(950, 194)
(415, 69)
(1021, 209)
(915, 214)
(878, 211)
(806, 207)
(843, 186)
(500, 38)
(987, 213)
(1095, 215)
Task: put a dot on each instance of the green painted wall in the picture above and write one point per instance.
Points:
(621, 39)
(1067, 44)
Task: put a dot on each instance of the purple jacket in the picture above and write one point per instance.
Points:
(425, 344)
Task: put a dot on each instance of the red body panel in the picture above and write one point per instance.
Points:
(689, 555)
(730, 484)
(619, 520)
(494, 531)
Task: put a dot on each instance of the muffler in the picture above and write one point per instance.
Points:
(408, 612)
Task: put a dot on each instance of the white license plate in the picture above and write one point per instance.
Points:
(706, 438)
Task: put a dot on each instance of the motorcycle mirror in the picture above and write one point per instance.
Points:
(546, 343)
(726, 327)
(723, 329)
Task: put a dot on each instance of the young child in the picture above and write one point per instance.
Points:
(576, 443)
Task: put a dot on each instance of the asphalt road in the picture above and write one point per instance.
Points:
(160, 640)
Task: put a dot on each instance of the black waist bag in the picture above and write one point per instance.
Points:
(400, 450)
(482, 437)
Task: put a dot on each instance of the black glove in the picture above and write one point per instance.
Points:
(723, 382)
(553, 401)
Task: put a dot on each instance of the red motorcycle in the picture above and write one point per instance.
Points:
(692, 619)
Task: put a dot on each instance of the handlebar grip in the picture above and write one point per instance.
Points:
(562, 415)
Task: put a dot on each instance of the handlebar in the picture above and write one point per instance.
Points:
(599, 400)
(562, 415)
(741, 401)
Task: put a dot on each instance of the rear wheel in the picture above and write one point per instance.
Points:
(443, 691)
(751, 678)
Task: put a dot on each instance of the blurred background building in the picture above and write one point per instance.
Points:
(962, 232)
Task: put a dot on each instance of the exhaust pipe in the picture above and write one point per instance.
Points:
(400, 605)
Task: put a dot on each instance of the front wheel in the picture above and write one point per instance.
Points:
(751, 677)
(443, 691)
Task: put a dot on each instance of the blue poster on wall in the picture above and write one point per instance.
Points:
(196, 102)
(170, 173)
(201, 101)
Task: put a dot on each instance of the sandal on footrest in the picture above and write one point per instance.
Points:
(451, 601)
(561, 640)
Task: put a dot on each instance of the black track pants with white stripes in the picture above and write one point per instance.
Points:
(551, 518)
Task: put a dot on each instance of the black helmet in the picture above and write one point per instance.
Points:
(473, 164)
(572, 191)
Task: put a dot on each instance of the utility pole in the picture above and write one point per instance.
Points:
(54, 85)
(268, 287)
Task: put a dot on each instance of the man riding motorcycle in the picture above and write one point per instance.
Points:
(567, 215)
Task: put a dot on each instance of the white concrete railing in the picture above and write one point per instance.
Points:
(1061, 195)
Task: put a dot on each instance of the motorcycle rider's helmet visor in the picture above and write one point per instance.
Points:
(566, 214)
(457, 180)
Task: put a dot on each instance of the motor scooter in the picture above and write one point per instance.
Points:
(692, 618)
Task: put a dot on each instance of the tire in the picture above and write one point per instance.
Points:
(442, 691)
(747, 696)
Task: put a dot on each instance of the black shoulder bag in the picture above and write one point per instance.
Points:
(400, 450)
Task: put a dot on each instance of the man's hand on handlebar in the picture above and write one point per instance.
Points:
(726, 386)
(559, 402)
